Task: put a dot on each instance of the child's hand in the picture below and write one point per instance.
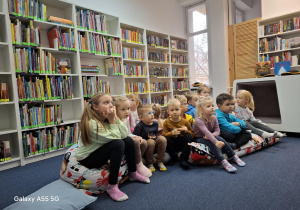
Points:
(110, 115)
(220, 144)
(205, 137)
(184, 129)
(138, 138)
(236, 123)
(175, 132)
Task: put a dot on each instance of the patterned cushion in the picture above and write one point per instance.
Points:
(91, 181)
(200, 154)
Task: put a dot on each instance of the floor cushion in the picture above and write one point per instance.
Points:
(91, 181)
(200, 154)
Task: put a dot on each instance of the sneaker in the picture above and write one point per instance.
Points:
(151, 168)
(161, 167)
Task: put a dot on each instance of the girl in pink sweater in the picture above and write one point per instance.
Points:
(207, 132)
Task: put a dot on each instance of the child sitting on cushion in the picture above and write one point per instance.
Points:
(244, 111)
(104, 137)
(122, 108)
(147, 128)
(178, 133)
(232, 129)
(184, 107)
(207, 132)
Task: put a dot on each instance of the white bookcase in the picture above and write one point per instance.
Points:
(72, 108)
(287, 35)
(276, 98)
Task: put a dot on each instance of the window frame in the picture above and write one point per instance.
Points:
(191, 44)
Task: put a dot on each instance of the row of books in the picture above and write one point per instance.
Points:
(285, 56)
(277, 43)
(4, 92)
(132, 36)
(28, 8)
(30, 60)
(90, 69)
(178, 45)
(98, 44)
(93, 85)
(158, 57)
(180, 72)
(40, 115)
(134, 71)
(41, 141)
(145, 100)
(89, 20)
(280, 27)
(182, 59)
(159, 72)
(44, 88)
(157, 41)
(181, 85)
(136, 87)
(133, 53)
(161, 100)
(159, 86)
(5, 152)
(113, 66)
(61, 38)
(25, 34)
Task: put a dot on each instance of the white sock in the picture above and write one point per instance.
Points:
(278, 134)
(266, 135)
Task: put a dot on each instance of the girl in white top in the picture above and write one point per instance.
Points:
(133, 117)
(123, 110)
(244, 111)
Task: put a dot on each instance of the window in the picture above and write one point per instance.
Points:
(197, 30)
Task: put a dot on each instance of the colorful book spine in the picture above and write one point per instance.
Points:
(181, 59)
(181, 85)
(179, 45)
(136, 87)
(134, 71)
(93, 85)
(161, 100)
(159, 86)
(32, 9)
(132, 36)
(24, 33)
(156, 41)
(90, 20)
(158, 57)
(133, 54)
(180, 72)
(159, 72)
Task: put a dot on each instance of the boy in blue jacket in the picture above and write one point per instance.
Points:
(232, 129)
(192, 99)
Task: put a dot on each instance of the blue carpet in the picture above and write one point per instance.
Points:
(270, 180)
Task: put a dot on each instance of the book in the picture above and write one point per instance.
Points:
(282, 67)
(5, 153)
(63, 65)
(4, 92)
(60, 20)
(53, 34)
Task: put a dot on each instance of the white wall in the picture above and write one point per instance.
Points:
(254, 12)
(217, 12)
(164, 16)
(273, 8)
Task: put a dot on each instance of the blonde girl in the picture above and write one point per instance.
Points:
(203, 90)
(244, 111)
(122, 105)
(133, 117)
(207, 131)
(157, 117)
(103, 138)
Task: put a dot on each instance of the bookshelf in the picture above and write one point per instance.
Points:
(275, 96)
(88, 62)
(279, 40)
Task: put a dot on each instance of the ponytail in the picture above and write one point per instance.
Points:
(88, 114)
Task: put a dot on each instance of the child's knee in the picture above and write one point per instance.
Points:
(162, 139)
(150, 143)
